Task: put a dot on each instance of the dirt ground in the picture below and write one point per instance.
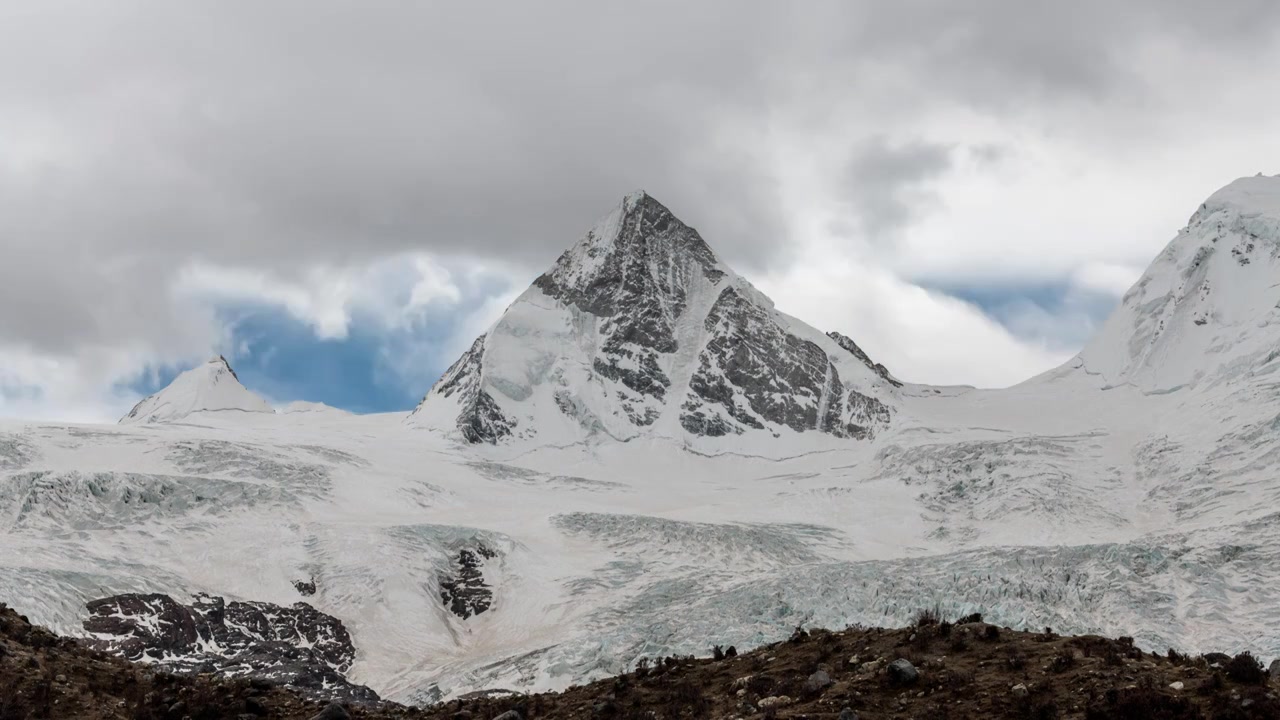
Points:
(962, 670)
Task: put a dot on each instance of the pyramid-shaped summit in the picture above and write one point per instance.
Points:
(639, 329)
(212, 386)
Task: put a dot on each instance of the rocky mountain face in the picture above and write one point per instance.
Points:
(211, 387)
(464, 590)
(847, 343)
(640, 329)
(295, 646)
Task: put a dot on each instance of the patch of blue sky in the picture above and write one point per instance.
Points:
(1058, 314)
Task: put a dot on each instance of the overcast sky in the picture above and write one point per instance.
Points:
(341, 195)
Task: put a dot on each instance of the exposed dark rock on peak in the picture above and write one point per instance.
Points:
(222, 359)
(305, 588)
(641, 251)
(297, 646)
(480, 419)
(847, 343)
(753, 371)
(635, 272)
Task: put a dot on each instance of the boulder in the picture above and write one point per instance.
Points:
(817, 681)
(332, 711)
(902, 672)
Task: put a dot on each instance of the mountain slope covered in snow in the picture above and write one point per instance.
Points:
(1208, 308)
(644, 457)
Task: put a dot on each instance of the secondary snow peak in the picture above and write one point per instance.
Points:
(1208, 307)
(208, 387)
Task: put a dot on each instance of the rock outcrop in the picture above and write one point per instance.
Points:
(464, 592)
(297, 646)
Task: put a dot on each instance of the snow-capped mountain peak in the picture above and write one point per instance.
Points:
(639, 234)
(1208, 304)
(1255, 195)
(639, 329)
(208, 387)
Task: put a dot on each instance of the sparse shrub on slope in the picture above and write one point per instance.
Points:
(1245, 668)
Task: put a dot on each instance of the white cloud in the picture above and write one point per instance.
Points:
(393, 295)
(82, 388)
(389, 291)
(921, 336)
(1106, 278)
(434, 284)
(319, 299)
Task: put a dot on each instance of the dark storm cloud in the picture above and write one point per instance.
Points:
(340, 129)
(136, 136)
(1002, 53)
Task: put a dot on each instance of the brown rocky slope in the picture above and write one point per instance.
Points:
(936, 669)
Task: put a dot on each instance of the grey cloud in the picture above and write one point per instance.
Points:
(887, 184)
(989, 153)
(999, 53)
(339, 129)
(135, 136)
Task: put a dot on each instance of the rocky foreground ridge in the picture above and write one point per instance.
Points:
(935, 669)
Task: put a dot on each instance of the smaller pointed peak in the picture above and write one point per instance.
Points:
(221, 359)
(211, 386)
